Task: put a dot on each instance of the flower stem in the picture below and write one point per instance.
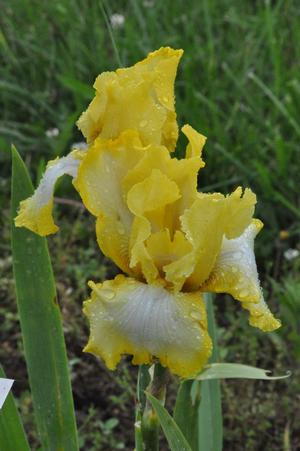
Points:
(150, 423)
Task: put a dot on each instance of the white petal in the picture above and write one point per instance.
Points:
(130, 317)
(235, 272)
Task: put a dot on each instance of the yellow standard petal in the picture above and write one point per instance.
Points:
(36, 212)
(148, 322)
(140, 98)
(235, 273)
(182, 172)
(99, 183)
(147, 201)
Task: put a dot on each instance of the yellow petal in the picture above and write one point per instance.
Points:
(36, 212)
(203, 225)
(141, 262)
(153, 193)
(147, 321)
(99, 183)
(100, 175)
(196, 142)
(140, 98)
(165, 250)
(240, 210)
(114, 241)
(147, 200)
(235, 273)
(182, 172)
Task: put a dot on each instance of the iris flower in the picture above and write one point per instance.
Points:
(171, 242)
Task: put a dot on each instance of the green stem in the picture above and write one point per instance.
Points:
(150, 423)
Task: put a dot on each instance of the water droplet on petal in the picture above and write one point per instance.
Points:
(195, 314)
(121, 229)
(143, 123)
(107, 294)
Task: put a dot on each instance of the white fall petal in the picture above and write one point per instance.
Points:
(147, 321)
(36, 211)
(235, 272)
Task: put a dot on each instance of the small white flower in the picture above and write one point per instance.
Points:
(117, 20)
(82, 145)
(291, 254)
(52, 132)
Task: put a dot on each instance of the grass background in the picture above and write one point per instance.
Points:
(238, 83)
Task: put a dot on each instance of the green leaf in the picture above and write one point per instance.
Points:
(12, 435)
(174, 436)
(210, 430)
(186, 410)
(41, 327)
(236, 371)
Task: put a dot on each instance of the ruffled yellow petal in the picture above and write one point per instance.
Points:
(182, 172)
(147, 321)
(140, 98)
(235, 273)
(210, 217)
(147, 200)
(36, 212)
(154, 157)
(153, 193)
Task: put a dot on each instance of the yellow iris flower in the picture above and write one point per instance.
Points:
(173, 242)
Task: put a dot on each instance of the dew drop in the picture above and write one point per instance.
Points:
(143, 123)
(121, 229)
(107, 294)
(243, 293)
(195, 314)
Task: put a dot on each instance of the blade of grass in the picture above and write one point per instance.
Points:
(41, 326)
(278, 103)
(110, 31)
(12, 434)
(210, 412)
(174, 436)
(284, 201)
